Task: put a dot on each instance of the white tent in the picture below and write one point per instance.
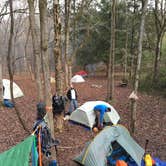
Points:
(77, 79)
(17, 92)
(86, 116)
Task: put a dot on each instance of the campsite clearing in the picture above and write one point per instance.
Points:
(150, 123)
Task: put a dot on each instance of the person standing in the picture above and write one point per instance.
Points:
(72, 96)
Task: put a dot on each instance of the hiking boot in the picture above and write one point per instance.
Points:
(55, 142)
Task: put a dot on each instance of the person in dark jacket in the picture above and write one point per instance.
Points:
(72, 96)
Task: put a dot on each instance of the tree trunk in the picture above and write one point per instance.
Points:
(36, 48)
(126, 45)
(137, 73)
(10, 67)
(67, 23)
(132, 45)
(46, 70)
(110, 90)
(58, 59)
(157, 58)
(10, 45)
(1, 83)
(160, 24)
(27, 61)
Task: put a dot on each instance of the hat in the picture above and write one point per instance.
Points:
(41, 109)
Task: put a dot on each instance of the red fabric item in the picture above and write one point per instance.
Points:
(121, 163)
(82, 73)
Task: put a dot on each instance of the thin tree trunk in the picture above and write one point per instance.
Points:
(10, 45)
(28, 65)
(67, 23)
(10, 49)
(157, 58)
(160, 24)
(132, 45)
(126, 45)
(110, 90)
(1, 83)
(58, 59)
(36, 50)
(137, 74)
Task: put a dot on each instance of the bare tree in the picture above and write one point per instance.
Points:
(160, 23)
(46, 71)
(110, 89)
(36, 47)
(27, 59)
(67, 24)
(10, 64)
(137, 71)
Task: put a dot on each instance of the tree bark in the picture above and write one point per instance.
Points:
(58, 59)
(137, 73)
(67, 23)
(160, 24)
(27, 61)
(10, 67)
(132, 45)
(126, 44)
(36, 48)
(46, 70)
(1, 83)
(157, 58)
(110, 90)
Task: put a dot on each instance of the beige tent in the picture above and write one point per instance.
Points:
(85, 115)
(17, 92)
(77, 79)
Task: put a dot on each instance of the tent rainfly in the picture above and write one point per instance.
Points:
(82, 73)
(95, 153)
(77, 79)
(17, 92)
(85, 115)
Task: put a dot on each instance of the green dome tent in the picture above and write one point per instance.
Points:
(95, 153)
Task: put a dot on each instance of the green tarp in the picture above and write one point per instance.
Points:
(18, 155)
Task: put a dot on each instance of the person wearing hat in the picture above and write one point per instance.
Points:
(41, 126)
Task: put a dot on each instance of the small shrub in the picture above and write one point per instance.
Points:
(147, 84)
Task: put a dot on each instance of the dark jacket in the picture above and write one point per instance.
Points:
(69, 93)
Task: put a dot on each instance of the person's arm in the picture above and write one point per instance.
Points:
(101, 117)
(76, 94)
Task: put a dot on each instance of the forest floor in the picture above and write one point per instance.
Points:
(150, 122)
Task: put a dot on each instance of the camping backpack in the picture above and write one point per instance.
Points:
(46, 139)
(58, 104)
